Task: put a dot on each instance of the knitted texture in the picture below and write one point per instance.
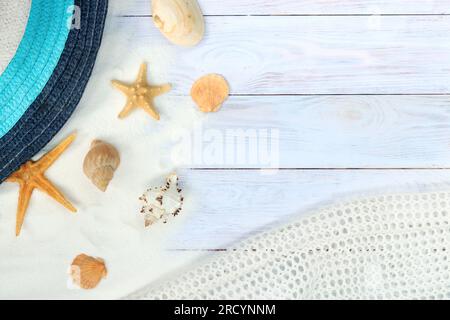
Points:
(13, 19)
(62, 93)
(386, 247)
(35, 60)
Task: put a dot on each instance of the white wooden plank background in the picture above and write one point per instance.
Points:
(311, 7)
(358, 131)
(310, 55)
(231, 205)
(358, 90)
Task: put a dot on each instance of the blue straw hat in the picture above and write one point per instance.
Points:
(44, 81)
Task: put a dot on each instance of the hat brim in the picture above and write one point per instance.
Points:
(35, 59)
(62, 93)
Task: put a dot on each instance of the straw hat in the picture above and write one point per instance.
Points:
(47, 70)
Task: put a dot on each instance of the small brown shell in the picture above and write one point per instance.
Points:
(87, 272)
(100, 163)
(210, 92)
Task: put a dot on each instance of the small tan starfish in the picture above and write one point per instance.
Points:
(140, 94)
(31, 176)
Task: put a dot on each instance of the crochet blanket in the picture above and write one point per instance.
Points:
(385, 247)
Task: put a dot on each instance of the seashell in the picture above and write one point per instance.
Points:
(100, 164)
(210, 92)
(87, 272)
(180, 21)
(162, 203)
(152, 215)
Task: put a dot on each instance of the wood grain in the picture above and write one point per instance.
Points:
(312, 7)
(319, 132)
(231, 205)
(295, 74)
(305, 55)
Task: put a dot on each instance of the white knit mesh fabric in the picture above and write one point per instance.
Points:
(386, 247)
(13, 20)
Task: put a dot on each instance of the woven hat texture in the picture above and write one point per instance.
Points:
(13, 16)
(60, 90)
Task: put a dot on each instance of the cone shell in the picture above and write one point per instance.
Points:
(87, 272)
(100, 164)
(180, 21)
(210, 92)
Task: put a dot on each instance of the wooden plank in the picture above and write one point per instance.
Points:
(227, 206)
(316, 132)
(310, 7)
(301, 55)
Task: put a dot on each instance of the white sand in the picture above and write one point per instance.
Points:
(107, 225)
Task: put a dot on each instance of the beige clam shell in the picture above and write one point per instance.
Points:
(100, 164)
(180, 21)
(210, 92)
(87, 272)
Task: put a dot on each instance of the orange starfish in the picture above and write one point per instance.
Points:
(31, 176)
(140, 94)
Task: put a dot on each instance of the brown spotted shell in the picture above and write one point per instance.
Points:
(210, 92)
(100, 164)
(87, 272)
